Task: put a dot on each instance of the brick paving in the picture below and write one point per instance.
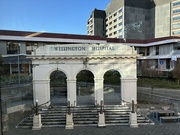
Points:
(165, 129)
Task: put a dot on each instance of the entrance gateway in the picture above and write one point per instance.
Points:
(73, 58)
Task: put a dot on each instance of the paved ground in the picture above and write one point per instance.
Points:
(165, 129)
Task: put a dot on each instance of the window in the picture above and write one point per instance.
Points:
(168, 64)
(176, 46)
(115, 26)
(30, 46)
(110, 23)
(157, 50)
(176, 32)
(176, 11)
(13, 47)
(115, 32)
(110, 34)
(148, 51)
(176, 18)
(110, 28)
(120, 10)
(115, 14)
(176, 3)
(120, 24)
(177, 25)
(115, 20)
(119, 31)
(120, 17)
(142, 51)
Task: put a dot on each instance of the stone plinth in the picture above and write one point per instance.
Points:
(69, 121)
(101, 122)
(37, 122)
(133, 120)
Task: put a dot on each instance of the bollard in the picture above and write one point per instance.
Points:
(69, 107)
(133, 116)
(37, 119)
(133, 111)
(101, 121)
(36, 112)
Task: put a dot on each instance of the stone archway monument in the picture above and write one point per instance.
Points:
(73, 58)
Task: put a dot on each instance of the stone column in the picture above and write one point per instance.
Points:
(41, 91)
(98, 89)
(129, 90)
(71, 92)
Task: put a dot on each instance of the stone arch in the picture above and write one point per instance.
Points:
(85, 87)
(80, 69)
(58, 90)
(54, 69)
(112, 90)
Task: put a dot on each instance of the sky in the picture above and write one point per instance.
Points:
(54, 16)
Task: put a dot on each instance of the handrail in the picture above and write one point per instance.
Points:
(35, 107)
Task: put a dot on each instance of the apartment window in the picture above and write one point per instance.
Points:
(13, 47)
(157, 50)
(120, 10)
(176, 3)
(110, 17)
(176, 11)
(115, 20)
(115, 14)
(115, 26)
(168, 64)
(110, 34)
(110, 23)
(119, 31)
(177, 25)
(176, 18)
(120, 24)
(120, 17)
(110, 28)
(115, 32)
(176, 32)
(30, 46)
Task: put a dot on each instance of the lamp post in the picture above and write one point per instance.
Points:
(18, 64)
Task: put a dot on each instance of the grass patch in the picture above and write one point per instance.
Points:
(158, 82)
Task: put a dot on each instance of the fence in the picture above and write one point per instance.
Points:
(159, 99)
(17, 95)
(15, 79)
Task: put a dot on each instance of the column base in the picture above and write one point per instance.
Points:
(69, 121)
(101, 122)
(133, 120)
(37, 122)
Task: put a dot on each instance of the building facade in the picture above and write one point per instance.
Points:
(159, 54)
(96, 23)
(142, 19)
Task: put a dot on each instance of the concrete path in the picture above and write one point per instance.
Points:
(165, 129)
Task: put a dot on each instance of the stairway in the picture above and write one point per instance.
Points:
(51, 117)
(116, 115)
(119, 115)
(85, 116)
